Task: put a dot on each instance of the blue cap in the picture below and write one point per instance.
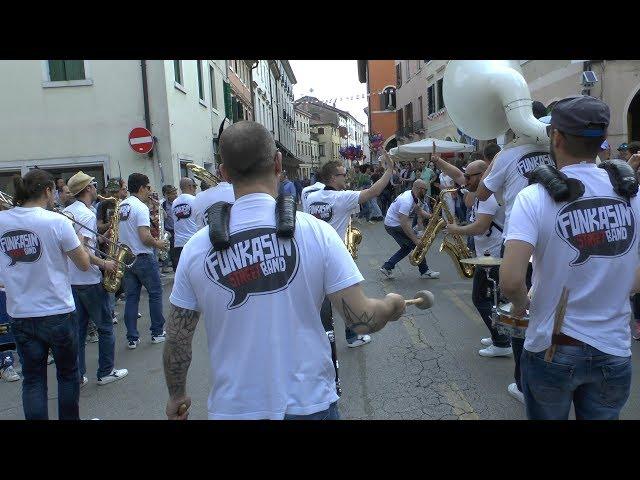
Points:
(582, 116)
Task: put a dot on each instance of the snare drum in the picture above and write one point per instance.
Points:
(507, 324)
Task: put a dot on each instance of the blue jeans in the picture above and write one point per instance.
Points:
(92, 303)
(144, 272)
(482, 297)
(330, 413)
(597, 383)
(34, 337)
(406, 245)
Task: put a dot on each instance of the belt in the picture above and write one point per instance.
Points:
(562, 339)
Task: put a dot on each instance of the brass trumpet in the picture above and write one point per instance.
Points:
(203, 175)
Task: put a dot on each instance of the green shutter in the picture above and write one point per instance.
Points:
(56, 71)
(74, 69)
(177, 73)
(228, 110)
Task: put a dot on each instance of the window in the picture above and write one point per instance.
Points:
(431, 100)
(212, 86)
(421, 108)
(321, 150)
(320, 131)
(388, 99)
(399, 75)
(440, 94)
(66, 70)
(200, 80)
(177, 71)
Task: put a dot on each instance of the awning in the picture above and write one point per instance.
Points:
(425, 147)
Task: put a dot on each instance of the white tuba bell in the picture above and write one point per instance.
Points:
(485, 98)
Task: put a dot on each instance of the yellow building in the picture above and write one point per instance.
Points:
(328, 142)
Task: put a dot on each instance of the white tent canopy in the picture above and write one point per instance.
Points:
(425, 146)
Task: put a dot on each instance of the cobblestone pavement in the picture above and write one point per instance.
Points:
(425, 366)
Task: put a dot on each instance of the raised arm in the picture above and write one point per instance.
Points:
(377, 188)
(454, 172)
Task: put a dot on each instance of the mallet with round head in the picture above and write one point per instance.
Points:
(424, 299)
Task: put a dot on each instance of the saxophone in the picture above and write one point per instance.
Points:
(163, 255)
(352, 239)
(436, 223)
(117, 251)
(202, 174)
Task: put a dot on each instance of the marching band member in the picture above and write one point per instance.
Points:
(506, 176)
(398, 223)
(223, 192)
(35, 244)
(136, 234)
(581, 225)
(260, 294)
(184, 223)
(89, 295)
(334, 205)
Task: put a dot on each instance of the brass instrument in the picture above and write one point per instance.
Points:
(352, 239)
(163, 235)
(111, 280)
(436, 223)
(203, 175)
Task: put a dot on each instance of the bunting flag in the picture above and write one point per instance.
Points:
(333, 100)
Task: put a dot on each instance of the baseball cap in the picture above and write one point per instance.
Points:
(79, 182)
(582, 116)
(623, 147)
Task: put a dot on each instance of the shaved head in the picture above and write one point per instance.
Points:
(186, 182)
(419, 188)
(248, 151)
(473, 173)
(420, 183)
(477, 166)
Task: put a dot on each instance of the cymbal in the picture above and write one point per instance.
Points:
(483, 261)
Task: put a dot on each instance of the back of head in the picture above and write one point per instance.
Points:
(136, 181)
(477, 166)
(490, 151)
(248, 152)
(31, 186)
(186, 183)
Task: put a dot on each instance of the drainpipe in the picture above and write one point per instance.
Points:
(147, 115)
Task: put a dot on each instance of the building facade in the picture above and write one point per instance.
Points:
(282, 81)
(262, 100)
(69, 115)
(303, 142)
(380, 77)
(328, 137)
(239, 73)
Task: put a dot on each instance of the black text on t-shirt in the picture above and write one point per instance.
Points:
(182, 211)
(529, 162)
(21, 246)
(321, 210)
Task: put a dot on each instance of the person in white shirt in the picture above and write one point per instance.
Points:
(398, 223)
(90, 297)
(184, 221)
(449, 198)
(34, 246)
(222, 192)
(334, 205)
(260, 299)
(169, 193)
(506, 176)
(306, 191)
(134, 231)
(487, 221)
(583, 238)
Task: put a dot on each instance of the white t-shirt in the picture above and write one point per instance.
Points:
(261, 303)
(223, 192)
(33, 264)
(307, 190)
(184, 222)
(591, 247)
(134, 214)
(85, 216)
(507, 177)
(405, 204)
(334, 207)
(491, 240)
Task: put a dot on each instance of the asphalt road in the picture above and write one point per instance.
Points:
(425, 366)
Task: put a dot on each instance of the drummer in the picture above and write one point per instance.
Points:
(487, 220)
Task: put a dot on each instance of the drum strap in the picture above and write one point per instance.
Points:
(622, 177)
(557, 184)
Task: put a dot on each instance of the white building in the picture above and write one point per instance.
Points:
(67, 115)
(303, 142)
(262, 102)
(282, 82)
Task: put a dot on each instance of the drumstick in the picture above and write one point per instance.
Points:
(561, 309)
(424, 300)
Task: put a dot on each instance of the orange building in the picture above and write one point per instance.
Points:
(380, 77)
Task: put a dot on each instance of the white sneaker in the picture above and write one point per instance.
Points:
(93, 338)
(113, 376)
(9, 374)
(515, 393)
(50, 359)
(361, 340)
(159, 338)
(387, 273)
(84, 381)
(430, 274)
(487, 342)
(493, 351)
(133, 344)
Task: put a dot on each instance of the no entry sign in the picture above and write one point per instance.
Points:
(141, 140)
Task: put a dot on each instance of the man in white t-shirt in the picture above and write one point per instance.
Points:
(223, 192)
(487, 221)
(90, 297)
(334, 205)
(586, 242)
(506, 176)
(135, 232)
(398, 223)
(306, 191)
(34, 246)
(184, 221)
(260, 299)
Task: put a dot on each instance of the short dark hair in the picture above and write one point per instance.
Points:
(136, 181)
(32, 185)
(329, 169)
(634, 147)
(582, 147)
(247, 150)
(490, 151)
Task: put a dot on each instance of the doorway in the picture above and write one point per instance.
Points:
(633, 118)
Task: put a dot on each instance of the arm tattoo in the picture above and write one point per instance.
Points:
(363, 323)
(177, 350)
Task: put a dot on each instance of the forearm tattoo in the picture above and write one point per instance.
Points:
(177, 350)
(363, 323)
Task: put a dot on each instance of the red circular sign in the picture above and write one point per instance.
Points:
(141, 140)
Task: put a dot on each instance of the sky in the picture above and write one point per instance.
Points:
(331, 79)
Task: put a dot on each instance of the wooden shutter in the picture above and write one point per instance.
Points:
(56, 71)
(228, 106)
(74, 69)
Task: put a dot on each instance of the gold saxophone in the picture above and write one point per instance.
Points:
(203, 174)
(352, 239)
(456, 247)
(118, 251)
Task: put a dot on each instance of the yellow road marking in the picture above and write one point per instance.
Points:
(470, 314)
(461, 406)
(414, 332)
